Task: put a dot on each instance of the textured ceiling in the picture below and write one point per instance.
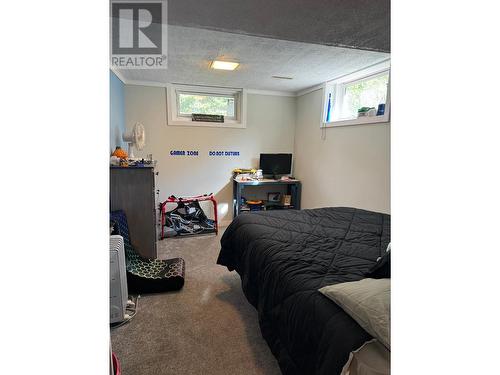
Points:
(190, 51)
(363, 24)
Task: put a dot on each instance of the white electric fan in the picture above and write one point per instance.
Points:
(136, 138)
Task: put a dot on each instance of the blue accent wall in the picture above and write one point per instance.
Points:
(116, 111)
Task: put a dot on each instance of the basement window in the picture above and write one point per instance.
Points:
(358, 98)
(207, 104)
(185, 101)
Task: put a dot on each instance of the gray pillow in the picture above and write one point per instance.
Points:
(368, 302)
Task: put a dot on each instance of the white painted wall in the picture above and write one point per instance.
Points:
(270, 128)
(351, 167)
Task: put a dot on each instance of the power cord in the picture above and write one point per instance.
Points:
(130, 312)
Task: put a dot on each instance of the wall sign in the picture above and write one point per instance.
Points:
(207, 118)
(211, 153)
(184, 153)
(223, 153)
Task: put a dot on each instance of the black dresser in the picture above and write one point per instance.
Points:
(132, 189)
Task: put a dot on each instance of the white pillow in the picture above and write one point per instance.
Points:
(368, 302)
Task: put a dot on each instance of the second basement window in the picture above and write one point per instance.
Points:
(359, 98)
(364, 93)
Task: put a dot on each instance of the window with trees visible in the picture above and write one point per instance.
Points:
(206, 104)
(183, 101)
(358, 98)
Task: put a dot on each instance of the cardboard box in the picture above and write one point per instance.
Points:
(286, 200)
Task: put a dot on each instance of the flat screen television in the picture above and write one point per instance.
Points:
(276, 164)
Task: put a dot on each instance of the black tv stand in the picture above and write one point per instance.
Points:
(293, 188)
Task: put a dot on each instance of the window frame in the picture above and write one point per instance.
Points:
(175, 118)
(337, 89)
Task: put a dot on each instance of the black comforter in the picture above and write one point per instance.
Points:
(283, 258)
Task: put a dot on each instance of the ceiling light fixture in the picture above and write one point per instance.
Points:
(282, 77)
(224, 65)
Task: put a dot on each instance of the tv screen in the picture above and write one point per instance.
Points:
(276, 164)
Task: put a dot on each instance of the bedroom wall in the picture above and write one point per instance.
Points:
(116, 111)
(270, 128)
(350, 167)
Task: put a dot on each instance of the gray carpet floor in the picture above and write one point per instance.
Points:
(208, 327)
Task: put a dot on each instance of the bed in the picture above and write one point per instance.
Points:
(283, 258)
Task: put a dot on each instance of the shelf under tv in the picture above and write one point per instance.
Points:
(292, 188)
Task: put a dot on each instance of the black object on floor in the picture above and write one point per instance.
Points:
(188, 218)
(206, 328)
(147, 275)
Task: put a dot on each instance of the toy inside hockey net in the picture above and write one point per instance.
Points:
(187, 218)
